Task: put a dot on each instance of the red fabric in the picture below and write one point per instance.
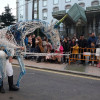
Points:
(60, 51)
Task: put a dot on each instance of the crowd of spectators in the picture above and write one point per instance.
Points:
(42, 45)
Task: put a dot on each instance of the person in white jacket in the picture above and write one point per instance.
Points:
(6, 69)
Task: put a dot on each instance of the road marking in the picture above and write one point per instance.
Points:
(30, 73)
(61, 73)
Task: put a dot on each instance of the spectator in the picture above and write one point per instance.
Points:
(37, 49)
(30, 40)
(76, 39)
(69, 40)
(58, 57)
(66, 47)
(98, 42)
(73, 42)
(48, 57)
(61, 40)
(33, 43)
(29, 43)
(45, 44)
(93, 50)
(91, 39)
(49, 46)
(26, 41)
(82, 44)
(40, 48)
(75, 51)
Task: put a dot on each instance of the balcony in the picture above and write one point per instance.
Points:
(59, 14)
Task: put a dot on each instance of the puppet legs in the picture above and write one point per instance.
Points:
(9, 71)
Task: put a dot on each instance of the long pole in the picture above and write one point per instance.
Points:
(33, 10)
(37, 15)
(61, 20)
(37, 9)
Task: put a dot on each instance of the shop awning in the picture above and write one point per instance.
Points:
(77, 12)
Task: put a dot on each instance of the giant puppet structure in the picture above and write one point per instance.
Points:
(9, 43)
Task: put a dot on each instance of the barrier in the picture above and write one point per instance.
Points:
(82, 54)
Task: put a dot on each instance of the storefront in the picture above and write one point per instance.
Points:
(79, 21)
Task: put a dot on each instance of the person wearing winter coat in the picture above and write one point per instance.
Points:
(91, 39)
(39, 45)
(98, 42)
(66, 47)
(83, 44)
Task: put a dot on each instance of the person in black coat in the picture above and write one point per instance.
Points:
(91, 39)
(33, 43)
(82, 44)
(66, 47)
(73, 42)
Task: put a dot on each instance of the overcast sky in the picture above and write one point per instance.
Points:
(12, 4)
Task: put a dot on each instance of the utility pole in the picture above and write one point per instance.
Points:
(33, 10)
(37, 15)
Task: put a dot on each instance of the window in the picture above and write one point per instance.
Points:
(44, 3)
(55, 9)
(55, 2)
(21, 16)
(95, 3)
(44, 12)
(35, 4)
(67, 0)
(82, 4)
(35, 14)
(67, 7)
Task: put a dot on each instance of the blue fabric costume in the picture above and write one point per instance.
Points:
(6, 66)
(3, 61)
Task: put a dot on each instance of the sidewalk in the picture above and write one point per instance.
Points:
(89, 70)
(43, 65)
(93, 70)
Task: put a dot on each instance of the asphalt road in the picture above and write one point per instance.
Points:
(45, 85)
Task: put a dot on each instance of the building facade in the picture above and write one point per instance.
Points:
(52, 9)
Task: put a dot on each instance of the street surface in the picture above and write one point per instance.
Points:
(49, 85)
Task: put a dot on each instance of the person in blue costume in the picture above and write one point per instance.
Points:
(6, 68)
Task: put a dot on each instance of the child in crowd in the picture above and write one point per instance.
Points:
(75, 51)
(48, 57)
(93, 57)
(58, 57)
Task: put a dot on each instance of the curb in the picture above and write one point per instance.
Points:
(63, 71)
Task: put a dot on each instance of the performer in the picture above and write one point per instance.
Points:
(6, 67)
